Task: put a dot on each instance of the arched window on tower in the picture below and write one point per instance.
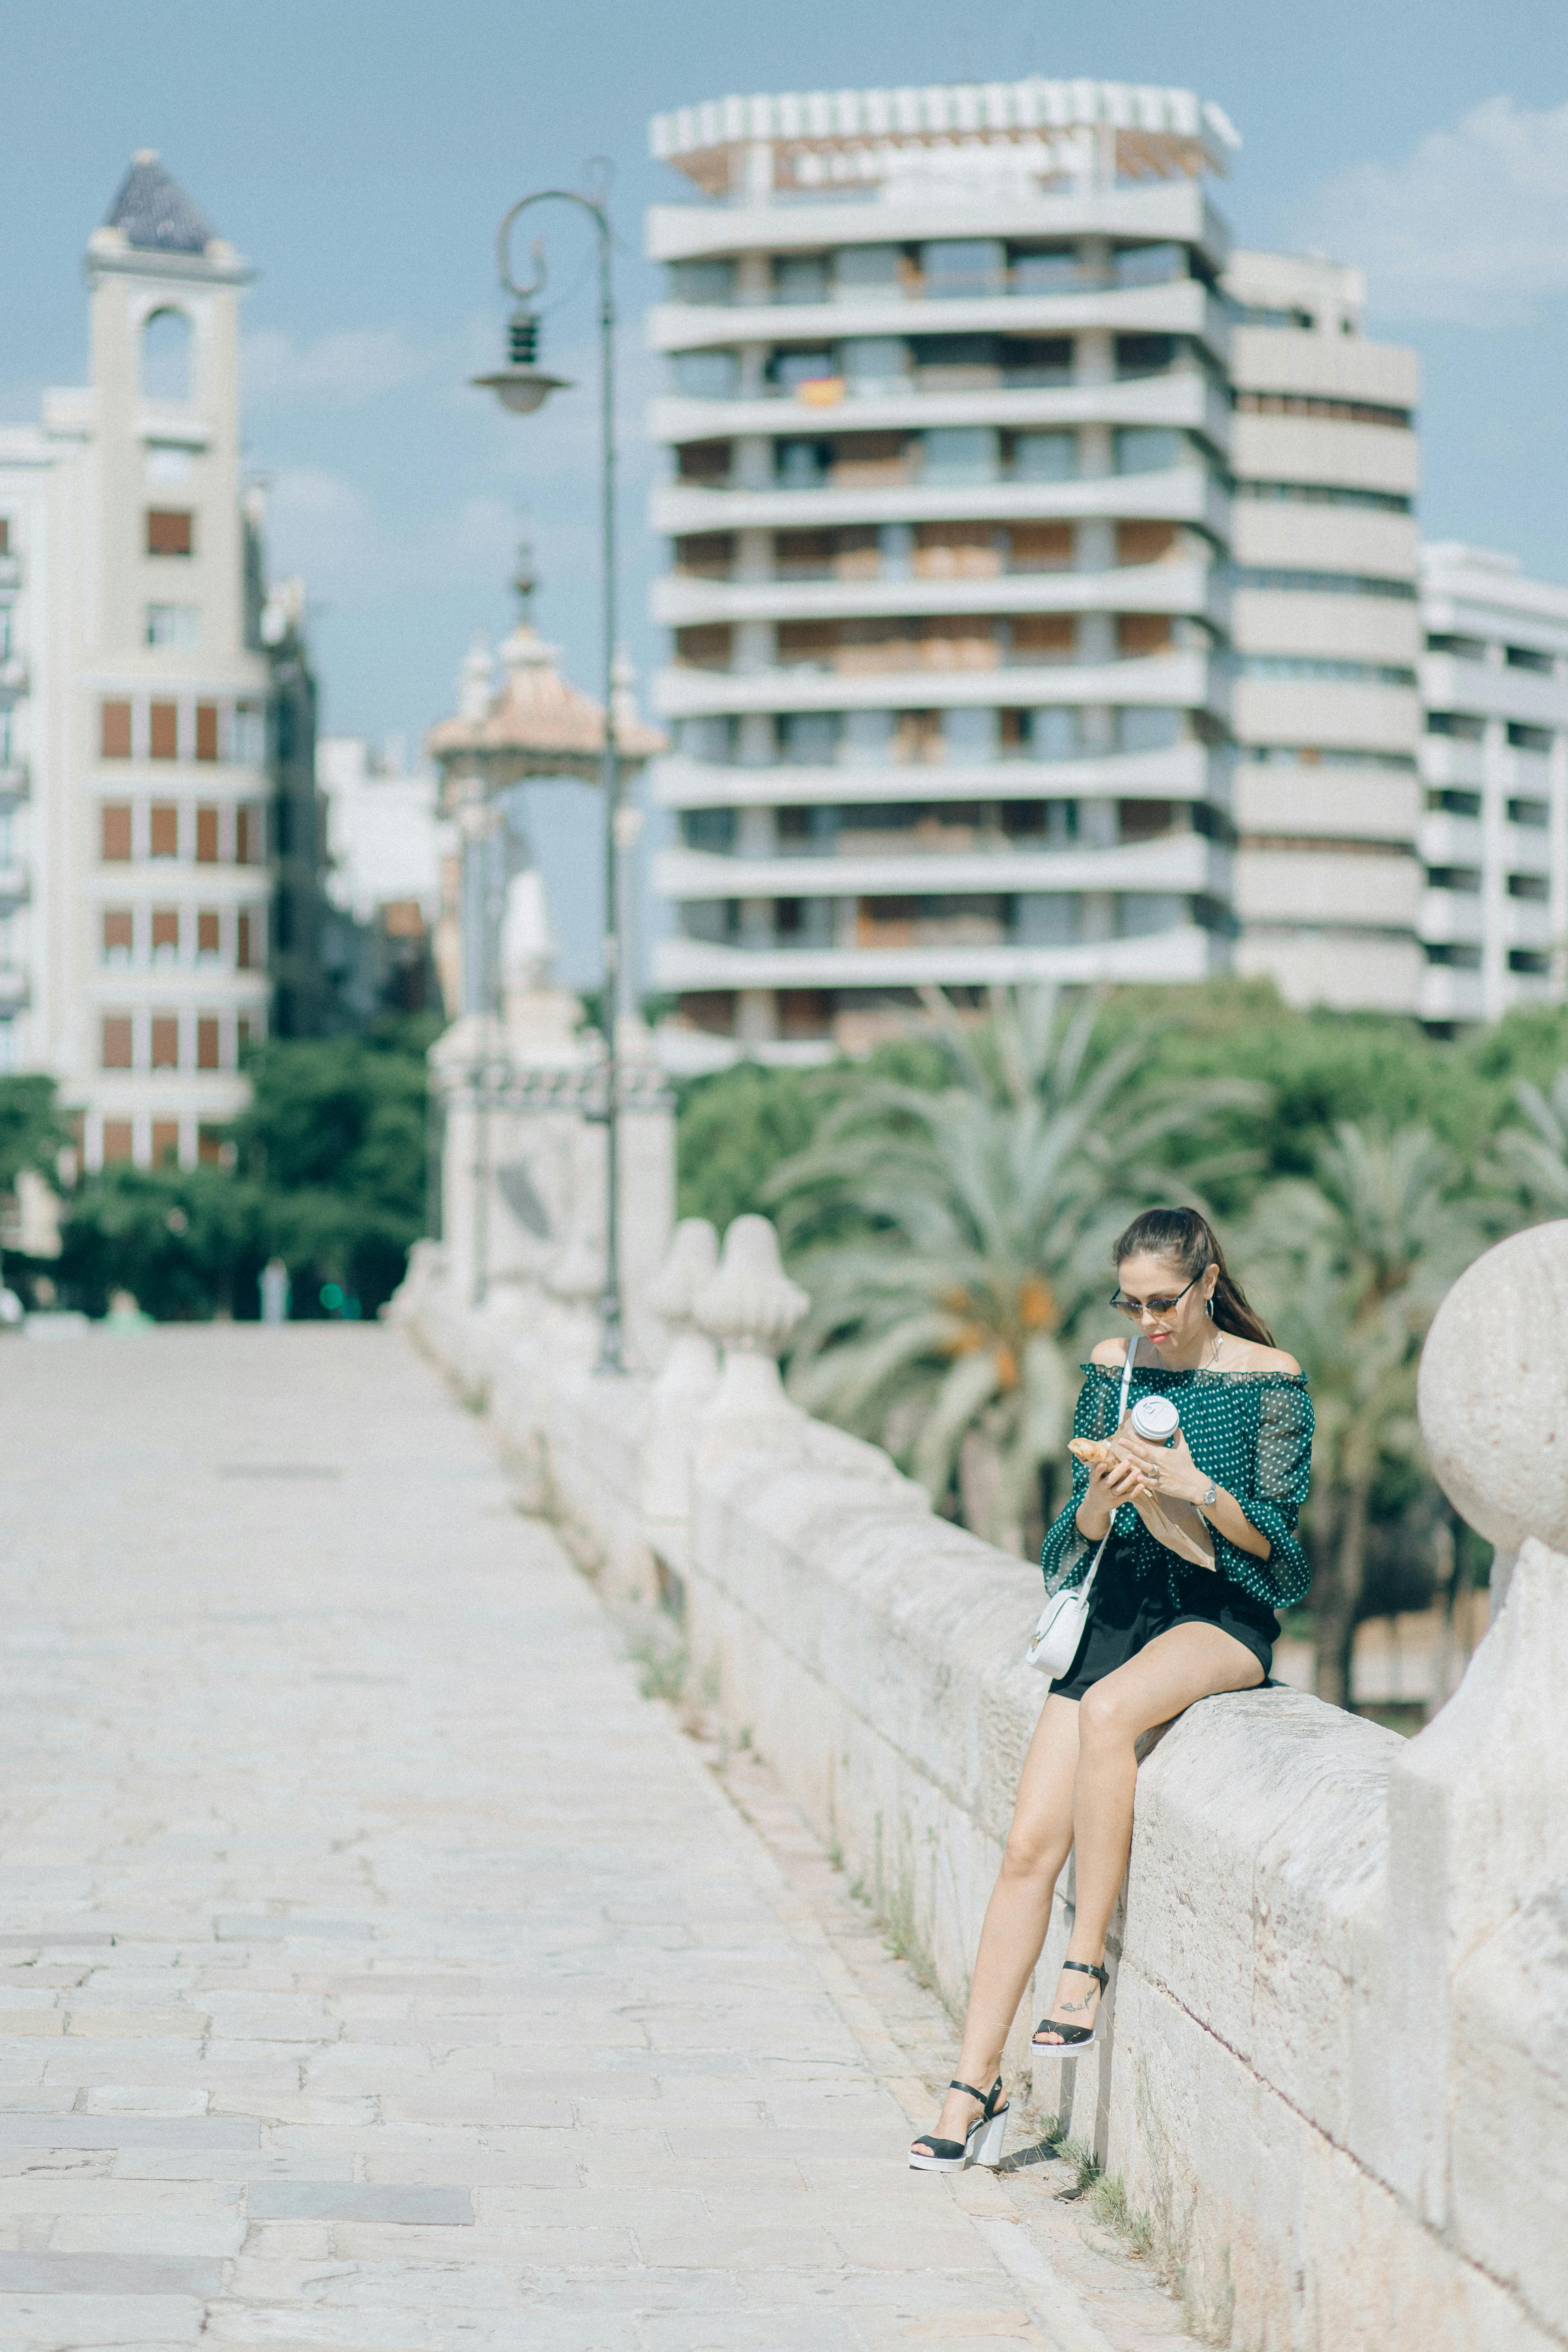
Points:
(166, 356)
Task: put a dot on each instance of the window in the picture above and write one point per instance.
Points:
(865, 272)
(1470, 649)
(114, 833)
(1452, 803)
(5, 534)
(168, 466)
(114, 731)
(702, 281)
(209, 935)
(206, 1042)
(1142, 634)
(166, 1041)
(166, 356)
(1263, 314)
(1322, 583)
(165, 934)
(1460, 955)
(164, 731)
(119, 1137)
(206, 837)
(213, 1150)
(1147, 730)
(170, 530)
(960, 453)
(801, 465)
(1338, 412)
(177, 627)
(163, 830)
(249, 836)
(1147, 448)
(1327, 494)
(206, 730)
(165, 1142)
(1535, 960)
(1464, 726)
(245, 1030)
(1464, 880)
(1052, 272)
(800, 278)
(1338, 673)
(709, 376)
(118, 935)
(115, 1044)
(1149, 265)
(1535, 815)
(1534, 886)
(956, 268)
(247, 744)
(1043, 458)
(1527, 657)
(1529, 739)
(1138, 355)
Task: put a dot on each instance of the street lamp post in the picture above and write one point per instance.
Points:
(522, 388)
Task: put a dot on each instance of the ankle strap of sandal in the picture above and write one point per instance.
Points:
(1085, 1968)
(986, 2098)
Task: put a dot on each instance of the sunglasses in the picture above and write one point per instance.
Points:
(1139, 1307)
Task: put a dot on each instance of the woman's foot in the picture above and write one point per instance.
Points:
(944, 2147)
(1075, 2012)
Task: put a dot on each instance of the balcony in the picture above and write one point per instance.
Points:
(1180, 681)
(1186, 950)
(1182, 771)
(1174, 396)
(1185, 493)
(1171, 860)
(1181, 305)
(1448, 841)
(1451, 915)
(893, 589)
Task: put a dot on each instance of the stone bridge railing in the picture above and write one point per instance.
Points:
(1336, 2080)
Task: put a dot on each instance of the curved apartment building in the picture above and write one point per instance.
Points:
(949, 418)
(1326, 627)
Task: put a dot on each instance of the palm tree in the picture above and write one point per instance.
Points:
(950, 1240)
(1351, 1268)
(1536, 1164)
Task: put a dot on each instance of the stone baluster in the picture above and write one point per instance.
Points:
(750, 1307)
(1478, 1802)
(683, 1390)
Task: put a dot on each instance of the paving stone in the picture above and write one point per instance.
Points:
(383, 1970)
(359, 2201)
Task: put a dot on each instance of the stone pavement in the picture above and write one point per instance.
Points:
(378, 1968)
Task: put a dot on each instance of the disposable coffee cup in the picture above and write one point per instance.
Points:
(1156, 1418)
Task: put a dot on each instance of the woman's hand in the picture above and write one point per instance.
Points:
(1170, 1470)
(1112, 1481)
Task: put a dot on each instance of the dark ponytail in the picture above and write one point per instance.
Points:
(1190, 1242)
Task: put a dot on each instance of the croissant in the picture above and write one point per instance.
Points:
(1090, 1450)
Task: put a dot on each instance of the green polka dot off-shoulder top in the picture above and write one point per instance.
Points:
(1250, 1432)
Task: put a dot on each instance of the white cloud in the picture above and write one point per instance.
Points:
(1470, 226)
(336, 372)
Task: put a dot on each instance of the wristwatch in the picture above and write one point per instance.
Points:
(1211, 1495)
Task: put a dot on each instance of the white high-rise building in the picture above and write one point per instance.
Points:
(135, 879)
(1494, 758)
(949, 420)
(1326, 635)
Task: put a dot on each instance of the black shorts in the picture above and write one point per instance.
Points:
(1126, 1611)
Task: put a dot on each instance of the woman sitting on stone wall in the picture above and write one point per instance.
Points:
(1199, 1551)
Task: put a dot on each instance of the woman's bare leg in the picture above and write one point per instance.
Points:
(1190, 1661)
(1019, 1910)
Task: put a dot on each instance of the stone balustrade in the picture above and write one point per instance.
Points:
(1335, 2085)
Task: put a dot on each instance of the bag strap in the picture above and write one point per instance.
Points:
(1121, 1417)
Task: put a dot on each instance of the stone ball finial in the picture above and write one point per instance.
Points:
(689, 1264)
(1493, 1391)
(750, 1306)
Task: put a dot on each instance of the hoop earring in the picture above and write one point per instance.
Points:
(1208, 1309)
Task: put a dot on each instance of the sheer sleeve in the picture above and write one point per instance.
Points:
(1281, 1465)
(1067, 1552)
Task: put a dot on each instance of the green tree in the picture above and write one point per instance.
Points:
(32, 1132)
(1532, 1159)
(1351, 1266)
(950, 1239)
(188, 1243)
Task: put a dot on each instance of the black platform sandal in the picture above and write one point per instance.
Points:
(983, 2145)
(1074, 2039)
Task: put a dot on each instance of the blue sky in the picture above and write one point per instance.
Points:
(361, 155)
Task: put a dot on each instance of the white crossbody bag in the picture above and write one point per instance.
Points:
(1065, 1613)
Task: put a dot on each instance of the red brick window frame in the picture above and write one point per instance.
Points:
(165, 1142)
(164, 829)
(119, 933)
(242, 945)
(171, 531)
(206, 730)
(119, 1142)
(208, 932)
(114, 731)
(116, 1044)
(164, 731)
(114, 843)
(206, 837)
(5, 534)
(166, 1041)
(249, 834)
(207, 1055)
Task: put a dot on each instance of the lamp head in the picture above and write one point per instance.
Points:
(522, 386)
